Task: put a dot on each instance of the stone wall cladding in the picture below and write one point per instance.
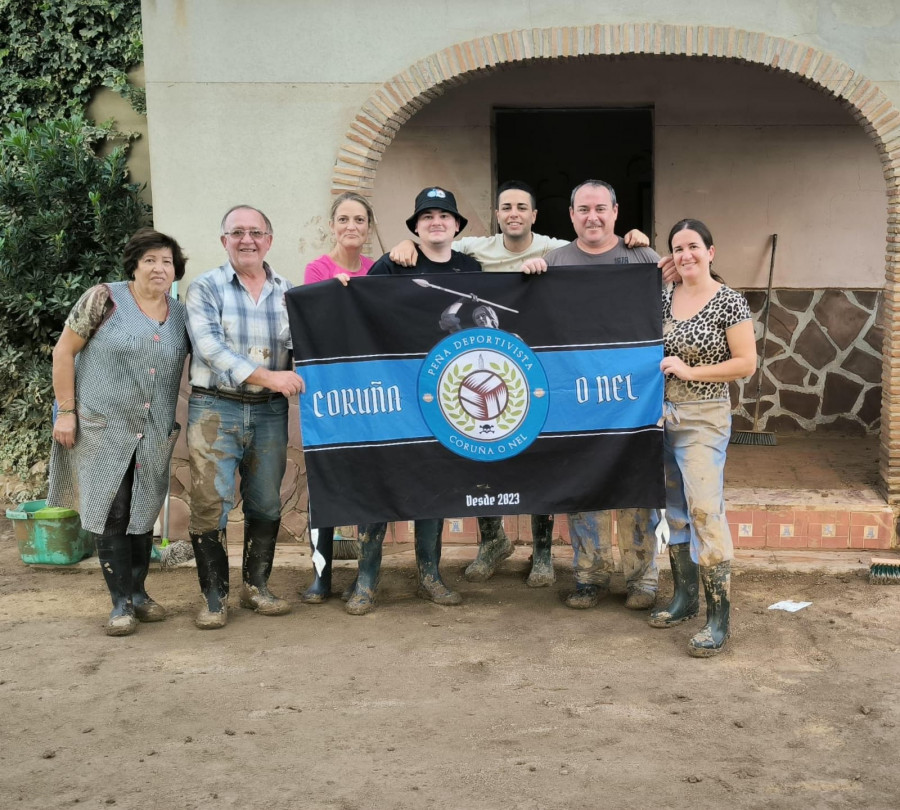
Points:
(823, 363)
(401, 96)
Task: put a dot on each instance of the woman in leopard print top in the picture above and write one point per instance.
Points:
(709, 341)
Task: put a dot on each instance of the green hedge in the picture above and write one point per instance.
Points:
(55, 54)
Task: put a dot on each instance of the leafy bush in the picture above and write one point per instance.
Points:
(54, 55)
(65, 215)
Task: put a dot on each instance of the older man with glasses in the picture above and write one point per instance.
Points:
(241, 377)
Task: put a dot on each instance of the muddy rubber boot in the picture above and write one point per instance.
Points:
(212, 571)
(585, 596)
(259, 552)
(639, 599)
(320, 589)
(711, 639)
(114, 553)
(493, 549)
(542, 574)
(428, 561)
(145, 608)
(685, 602)
(371, 539)
(348, 591)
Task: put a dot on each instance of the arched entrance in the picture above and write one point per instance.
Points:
(380, 119)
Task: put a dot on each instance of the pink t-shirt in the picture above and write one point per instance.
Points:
(324, 268)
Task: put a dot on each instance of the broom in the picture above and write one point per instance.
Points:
(171, 553)
(345, 548)
(754, 436)
(884, 571)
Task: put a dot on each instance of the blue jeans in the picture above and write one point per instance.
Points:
(696, 438)
(225, 436)
(591, 536)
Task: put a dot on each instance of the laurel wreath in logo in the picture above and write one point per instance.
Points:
(515, 386)
(454, 411)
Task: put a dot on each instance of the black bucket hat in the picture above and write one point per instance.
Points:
(435, 197)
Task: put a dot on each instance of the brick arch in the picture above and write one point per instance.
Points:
(398, 99)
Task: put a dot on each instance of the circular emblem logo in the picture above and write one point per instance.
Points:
(483, 394)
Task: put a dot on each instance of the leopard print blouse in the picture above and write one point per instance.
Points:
(701, 341)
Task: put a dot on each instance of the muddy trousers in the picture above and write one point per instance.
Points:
(593, 562)
(694, 445)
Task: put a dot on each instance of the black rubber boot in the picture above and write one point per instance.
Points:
(493, 549)
(145, 608)
(114, 553)
(212, 571)
(320, 589)
(685, 602)
(371, 539)
(428, 561)
(711, 639)
(542, 574)
(259, 553)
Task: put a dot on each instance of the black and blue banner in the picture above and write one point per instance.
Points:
(464, 394)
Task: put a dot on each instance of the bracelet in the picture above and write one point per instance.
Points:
(61, 412)
(70, 399)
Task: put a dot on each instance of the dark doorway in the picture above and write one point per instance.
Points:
(554, 150)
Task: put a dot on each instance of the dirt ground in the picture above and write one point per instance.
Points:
(511, 700)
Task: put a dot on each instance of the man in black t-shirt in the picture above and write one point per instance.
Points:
(436, 220)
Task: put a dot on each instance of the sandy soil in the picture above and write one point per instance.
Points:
(511, 700)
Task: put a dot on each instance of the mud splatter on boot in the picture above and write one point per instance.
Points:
(348, 591)
(145, 608)
(639, 599)
(371, 540)
(585, 596)
(711, 639)
(494, 548)
(212, 571)
(685, 602)
(259, 554)
(114, 553)
(542, 574)
(428, 560)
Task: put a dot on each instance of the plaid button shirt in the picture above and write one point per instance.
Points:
(231, 334)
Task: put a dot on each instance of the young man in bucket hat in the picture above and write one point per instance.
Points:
(436, 221)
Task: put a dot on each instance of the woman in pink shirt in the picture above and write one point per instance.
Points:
(351, 218)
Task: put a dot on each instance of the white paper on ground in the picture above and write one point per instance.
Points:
(789, 605)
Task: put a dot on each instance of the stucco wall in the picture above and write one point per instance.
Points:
(253, 110)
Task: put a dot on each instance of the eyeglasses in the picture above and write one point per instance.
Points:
(239, 233)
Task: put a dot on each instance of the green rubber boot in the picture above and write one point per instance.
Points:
(711, 639)
(542, 574)
(493, 549)
(428, 560)
(371, 539)
(685, 602)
